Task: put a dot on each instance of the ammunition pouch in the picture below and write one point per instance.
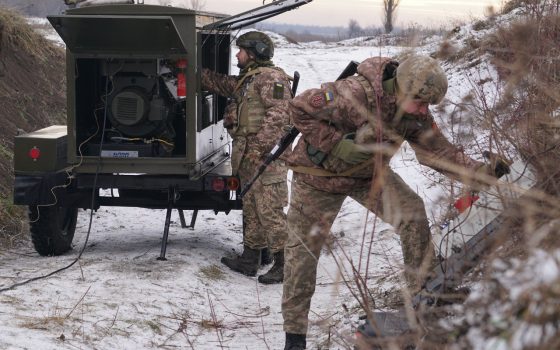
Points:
(237, 153)
(316, 156)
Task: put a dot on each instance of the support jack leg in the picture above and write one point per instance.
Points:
(171, 198)
(183, 221)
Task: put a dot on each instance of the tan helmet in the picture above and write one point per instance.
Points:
(421, 77)
(258, 43)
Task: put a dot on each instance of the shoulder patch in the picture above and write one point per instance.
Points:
(317, 100)
(278, 91)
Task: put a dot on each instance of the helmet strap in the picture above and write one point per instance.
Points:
(264, 62)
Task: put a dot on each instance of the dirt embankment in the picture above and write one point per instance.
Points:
(32, 96)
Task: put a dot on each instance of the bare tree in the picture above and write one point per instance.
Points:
(198, 4)
(354, 28)
(390, 13)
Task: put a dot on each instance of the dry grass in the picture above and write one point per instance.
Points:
(512, 5)
(18, 35)
(44, 323)
(526, 121)
(212, 272)
(13, 223)
(210, 324)
(32, 95)
(526, 55)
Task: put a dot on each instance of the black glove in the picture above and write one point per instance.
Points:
(498, 164)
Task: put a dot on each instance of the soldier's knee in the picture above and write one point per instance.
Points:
(415, 201)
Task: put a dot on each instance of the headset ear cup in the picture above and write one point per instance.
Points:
(261, 48)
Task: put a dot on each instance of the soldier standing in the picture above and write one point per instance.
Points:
(350, 130)
(254, 128)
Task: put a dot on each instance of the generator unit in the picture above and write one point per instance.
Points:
(138, 122)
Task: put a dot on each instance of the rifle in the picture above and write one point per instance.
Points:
(350, 70)
(292, 133)
(295, 84)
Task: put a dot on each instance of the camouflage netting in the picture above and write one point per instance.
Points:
(32, 96)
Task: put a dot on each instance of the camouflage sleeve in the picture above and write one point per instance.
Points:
(312, 113)
(433, 149)
(220, 84)
(274, 90)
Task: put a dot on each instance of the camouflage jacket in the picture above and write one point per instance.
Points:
(325, 115)
(252, 148)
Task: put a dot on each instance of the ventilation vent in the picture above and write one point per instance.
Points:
(128, 108)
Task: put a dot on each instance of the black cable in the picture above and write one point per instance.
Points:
(91, 208)
(449, 231)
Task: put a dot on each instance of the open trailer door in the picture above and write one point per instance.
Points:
(255, 15)
(113, 35)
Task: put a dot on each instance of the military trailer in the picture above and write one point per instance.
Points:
(140, 130)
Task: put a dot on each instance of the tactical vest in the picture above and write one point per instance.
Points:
(250, 110)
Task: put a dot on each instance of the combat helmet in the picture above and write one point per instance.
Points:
(421, 77)
(258, 43)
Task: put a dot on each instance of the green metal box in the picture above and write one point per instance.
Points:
(42, 150)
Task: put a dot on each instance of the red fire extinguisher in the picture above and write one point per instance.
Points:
(181, 78)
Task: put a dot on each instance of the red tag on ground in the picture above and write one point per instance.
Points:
(465, 202)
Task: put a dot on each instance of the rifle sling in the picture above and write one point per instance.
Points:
(247, 75)
(325, 173)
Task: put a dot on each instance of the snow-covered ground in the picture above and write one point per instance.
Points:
(120, 297)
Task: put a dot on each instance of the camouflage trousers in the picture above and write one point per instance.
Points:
(310, 218)
(264, 220)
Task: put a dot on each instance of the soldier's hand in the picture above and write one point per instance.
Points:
(499, 166)
(229, 116)
(228, 123)
(351, 152)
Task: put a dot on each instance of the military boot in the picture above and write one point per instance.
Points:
(247, 263)
(295, 341)
(276, 272)
(266, 257)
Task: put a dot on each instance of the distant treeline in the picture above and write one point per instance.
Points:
(331, 32)
(306, 33)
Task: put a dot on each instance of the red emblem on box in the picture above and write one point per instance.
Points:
(317, 100)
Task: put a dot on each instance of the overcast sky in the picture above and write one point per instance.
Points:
(431, 13)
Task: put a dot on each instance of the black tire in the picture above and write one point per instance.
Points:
(53, 232)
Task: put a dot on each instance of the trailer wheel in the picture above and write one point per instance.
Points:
(53, 232)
